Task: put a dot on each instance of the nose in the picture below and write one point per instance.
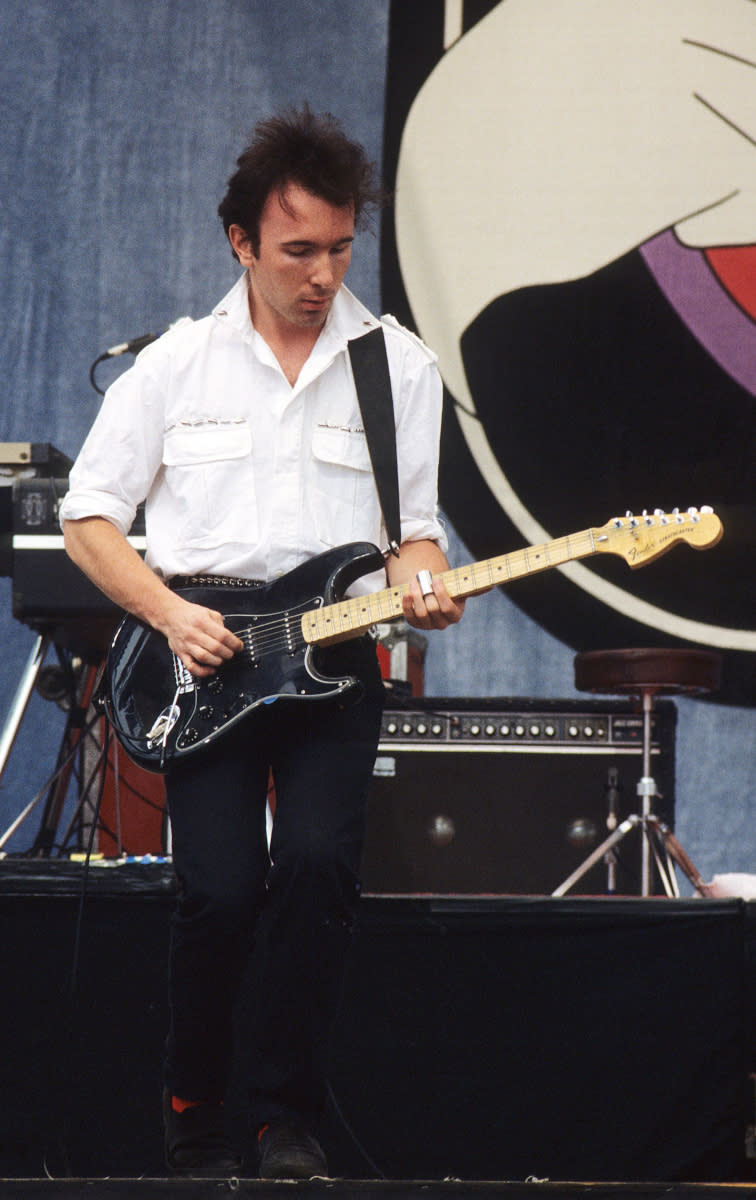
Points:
(322, 274)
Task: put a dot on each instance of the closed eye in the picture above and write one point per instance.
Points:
(303, 249)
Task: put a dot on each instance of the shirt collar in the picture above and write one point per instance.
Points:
(348, 318)
(233, 309)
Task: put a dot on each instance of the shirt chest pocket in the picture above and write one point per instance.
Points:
(345, 503)
(209, 472)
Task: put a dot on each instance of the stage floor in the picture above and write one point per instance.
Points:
(345, 1189)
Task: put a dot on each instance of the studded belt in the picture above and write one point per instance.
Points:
(233, 581)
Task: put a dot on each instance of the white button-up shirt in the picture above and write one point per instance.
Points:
(243, 474)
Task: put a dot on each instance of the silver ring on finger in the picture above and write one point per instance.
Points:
(425, 582)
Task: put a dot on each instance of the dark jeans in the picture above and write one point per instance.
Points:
(295, 906)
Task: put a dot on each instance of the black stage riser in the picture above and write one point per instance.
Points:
(500, 1039)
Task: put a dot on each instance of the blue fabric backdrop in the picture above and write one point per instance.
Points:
(122, 120)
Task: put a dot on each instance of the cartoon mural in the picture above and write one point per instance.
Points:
(573, 233)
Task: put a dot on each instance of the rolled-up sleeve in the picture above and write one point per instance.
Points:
(418, 435)
(118, 462)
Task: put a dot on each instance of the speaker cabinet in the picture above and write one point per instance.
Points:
(508, 797)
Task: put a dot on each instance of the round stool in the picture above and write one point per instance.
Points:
(657, 672)
(645, 673)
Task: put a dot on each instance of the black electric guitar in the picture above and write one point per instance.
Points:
(161, 712)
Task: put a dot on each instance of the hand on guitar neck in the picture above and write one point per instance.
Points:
(436, 609)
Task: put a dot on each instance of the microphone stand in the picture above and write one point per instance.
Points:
(612, 798)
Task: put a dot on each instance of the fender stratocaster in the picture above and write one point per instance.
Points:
(160, 712)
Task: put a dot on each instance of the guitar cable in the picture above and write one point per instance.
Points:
(377, 1173)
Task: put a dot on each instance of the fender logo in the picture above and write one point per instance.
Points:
(669, 535)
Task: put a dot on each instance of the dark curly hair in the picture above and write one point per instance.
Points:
(311, 150)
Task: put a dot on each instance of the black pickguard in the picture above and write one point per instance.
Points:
(161, 713)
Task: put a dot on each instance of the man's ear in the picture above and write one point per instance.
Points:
(241, 244)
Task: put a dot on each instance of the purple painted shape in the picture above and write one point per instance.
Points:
(692, 288)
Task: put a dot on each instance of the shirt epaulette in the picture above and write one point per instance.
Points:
(388, 319)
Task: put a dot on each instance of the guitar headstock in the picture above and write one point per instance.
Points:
(641, 539)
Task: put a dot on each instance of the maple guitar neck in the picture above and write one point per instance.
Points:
(350, 618)
(637, 539)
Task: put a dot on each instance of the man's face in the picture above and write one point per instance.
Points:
(305, 249)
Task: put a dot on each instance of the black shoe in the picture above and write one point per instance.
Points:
(196, 1142)
(289, 1152)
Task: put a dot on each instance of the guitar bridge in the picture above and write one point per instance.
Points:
(249, 646)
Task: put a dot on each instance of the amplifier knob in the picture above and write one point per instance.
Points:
(392, 727)
(422, 728)
(573, 731)
(437, 729)
(504, 730)
(550, 731)
(588, 731)
(407, 728)
(490, 730)
(475, 730)
(519, 730)
(535, 731)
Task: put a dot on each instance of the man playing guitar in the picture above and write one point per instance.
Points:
(242, 434)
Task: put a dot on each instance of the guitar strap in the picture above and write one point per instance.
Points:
(373, 382)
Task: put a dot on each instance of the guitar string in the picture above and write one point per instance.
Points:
(278, 633)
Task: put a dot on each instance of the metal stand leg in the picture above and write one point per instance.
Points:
(651, 832)
(600, 852)
(19, 820)
(654, 843)
(13, 724)
(54, 791)
(21, 698)
(82, 759)
(646, 789)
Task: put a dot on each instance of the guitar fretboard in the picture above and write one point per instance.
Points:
(350, 618)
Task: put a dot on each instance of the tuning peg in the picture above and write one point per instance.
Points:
(647, 519)
(706, 508)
